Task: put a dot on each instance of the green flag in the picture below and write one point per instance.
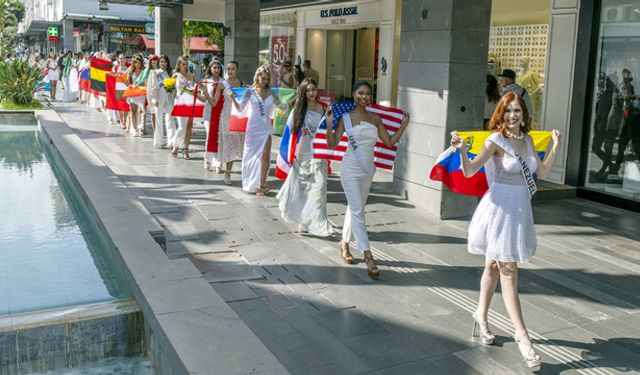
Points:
(280, 116)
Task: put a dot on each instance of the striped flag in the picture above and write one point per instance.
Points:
(85, 79)
(99, 69)
(383, 156)
(448, 170)
(115, 89)
(239, 119)
(187, 104)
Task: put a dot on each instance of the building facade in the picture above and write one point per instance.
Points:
(84, 26)
(437, 55)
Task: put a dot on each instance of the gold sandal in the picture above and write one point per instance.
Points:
(372, 269)
(346, 254)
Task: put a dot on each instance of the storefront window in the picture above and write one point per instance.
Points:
(518, 41)
(129, 40)
(278, 43)
(613, 165)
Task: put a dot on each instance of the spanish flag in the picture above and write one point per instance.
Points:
(99, 70)
(448, 170)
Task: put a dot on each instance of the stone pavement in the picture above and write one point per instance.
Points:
(317, 315)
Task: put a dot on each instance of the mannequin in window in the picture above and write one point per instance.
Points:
(630, 131)
(606, 124)
(533, 83)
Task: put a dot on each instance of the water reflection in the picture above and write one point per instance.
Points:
(20, 150)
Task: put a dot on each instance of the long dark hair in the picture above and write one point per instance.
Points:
(300, 108)
(492, 91)
(208, 74)
(165, 58)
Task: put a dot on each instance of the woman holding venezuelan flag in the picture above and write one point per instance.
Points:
(502, 226)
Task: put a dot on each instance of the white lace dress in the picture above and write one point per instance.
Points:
(303, 197)
(231, 144)
(502, 226)
(259, 130)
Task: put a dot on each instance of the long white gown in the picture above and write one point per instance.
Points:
(303, 197)
(356, 184)
(502, 226)
(259, 130)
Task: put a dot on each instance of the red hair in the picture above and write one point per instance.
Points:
(497, 124)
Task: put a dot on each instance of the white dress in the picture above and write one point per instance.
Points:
(259, 130)
(231, 143)
(303, 197)
(53, 70)
(356, 184)
(502, 226)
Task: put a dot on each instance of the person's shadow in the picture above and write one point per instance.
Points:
(620, 354)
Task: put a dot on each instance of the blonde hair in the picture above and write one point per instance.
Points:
(264, 69)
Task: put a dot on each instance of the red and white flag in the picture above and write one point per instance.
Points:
(187, 104)
(239, 118)
(383, 156)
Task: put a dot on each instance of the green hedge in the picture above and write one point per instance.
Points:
(19, 82)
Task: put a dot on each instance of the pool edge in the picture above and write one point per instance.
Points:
(186, 334)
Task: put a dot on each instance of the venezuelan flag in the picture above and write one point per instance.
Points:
(98, 73)
(448, 170)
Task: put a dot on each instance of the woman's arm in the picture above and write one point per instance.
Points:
(333, 136)
(383, 134)
(544, 167)
(470, 167)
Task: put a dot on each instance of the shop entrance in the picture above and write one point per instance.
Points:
(343, 57)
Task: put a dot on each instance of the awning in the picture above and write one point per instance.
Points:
(146, 43)
(199, 45)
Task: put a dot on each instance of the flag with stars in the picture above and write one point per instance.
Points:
(383, 156)
(448, 166)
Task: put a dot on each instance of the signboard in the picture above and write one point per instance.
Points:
(279, 48)
(339, 12)
(127, 29)
(76, 33)
(52, 33)
(149, 28)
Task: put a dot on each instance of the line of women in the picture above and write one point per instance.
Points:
(501, 229)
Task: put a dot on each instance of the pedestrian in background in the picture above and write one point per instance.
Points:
(309, 72)
(52, 73)
(508, 84)
(502, 226)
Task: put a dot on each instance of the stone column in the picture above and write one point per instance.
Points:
(168, 32)
(67, 35)
(242, 43)
(441, 82)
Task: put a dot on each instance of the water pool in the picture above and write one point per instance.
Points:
(118, 366)
(50, 254)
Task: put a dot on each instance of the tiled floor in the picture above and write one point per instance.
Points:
(320, 316)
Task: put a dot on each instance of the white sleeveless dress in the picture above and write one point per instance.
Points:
(303, 197)
(259, 130)
(502, 226)
(356, 184)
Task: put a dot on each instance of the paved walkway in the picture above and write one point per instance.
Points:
(580, 293)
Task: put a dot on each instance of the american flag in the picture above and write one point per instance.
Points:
(383, 156)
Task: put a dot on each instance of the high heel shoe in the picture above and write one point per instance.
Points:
(207, 165)
(346, 254)
(185, 155)
(481, 330)
(372, 269)
(530, 359)
(227, 178)
(174, 152)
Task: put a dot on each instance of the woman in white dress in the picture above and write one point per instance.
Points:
(211, 89)
(502, 226)
(162, 101)
(52, 75)
(357, 168)
(256, 158)
(184, 81)
(231, 143)
(136, 103)
(303, 197)
(152, 91)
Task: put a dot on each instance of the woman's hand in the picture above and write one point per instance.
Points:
(457, 141)
(405, 119)
(329, 115)
(556, 137)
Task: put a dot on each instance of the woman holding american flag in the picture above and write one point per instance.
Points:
(363, 129)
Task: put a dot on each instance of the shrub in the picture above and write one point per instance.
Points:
(19, 81)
